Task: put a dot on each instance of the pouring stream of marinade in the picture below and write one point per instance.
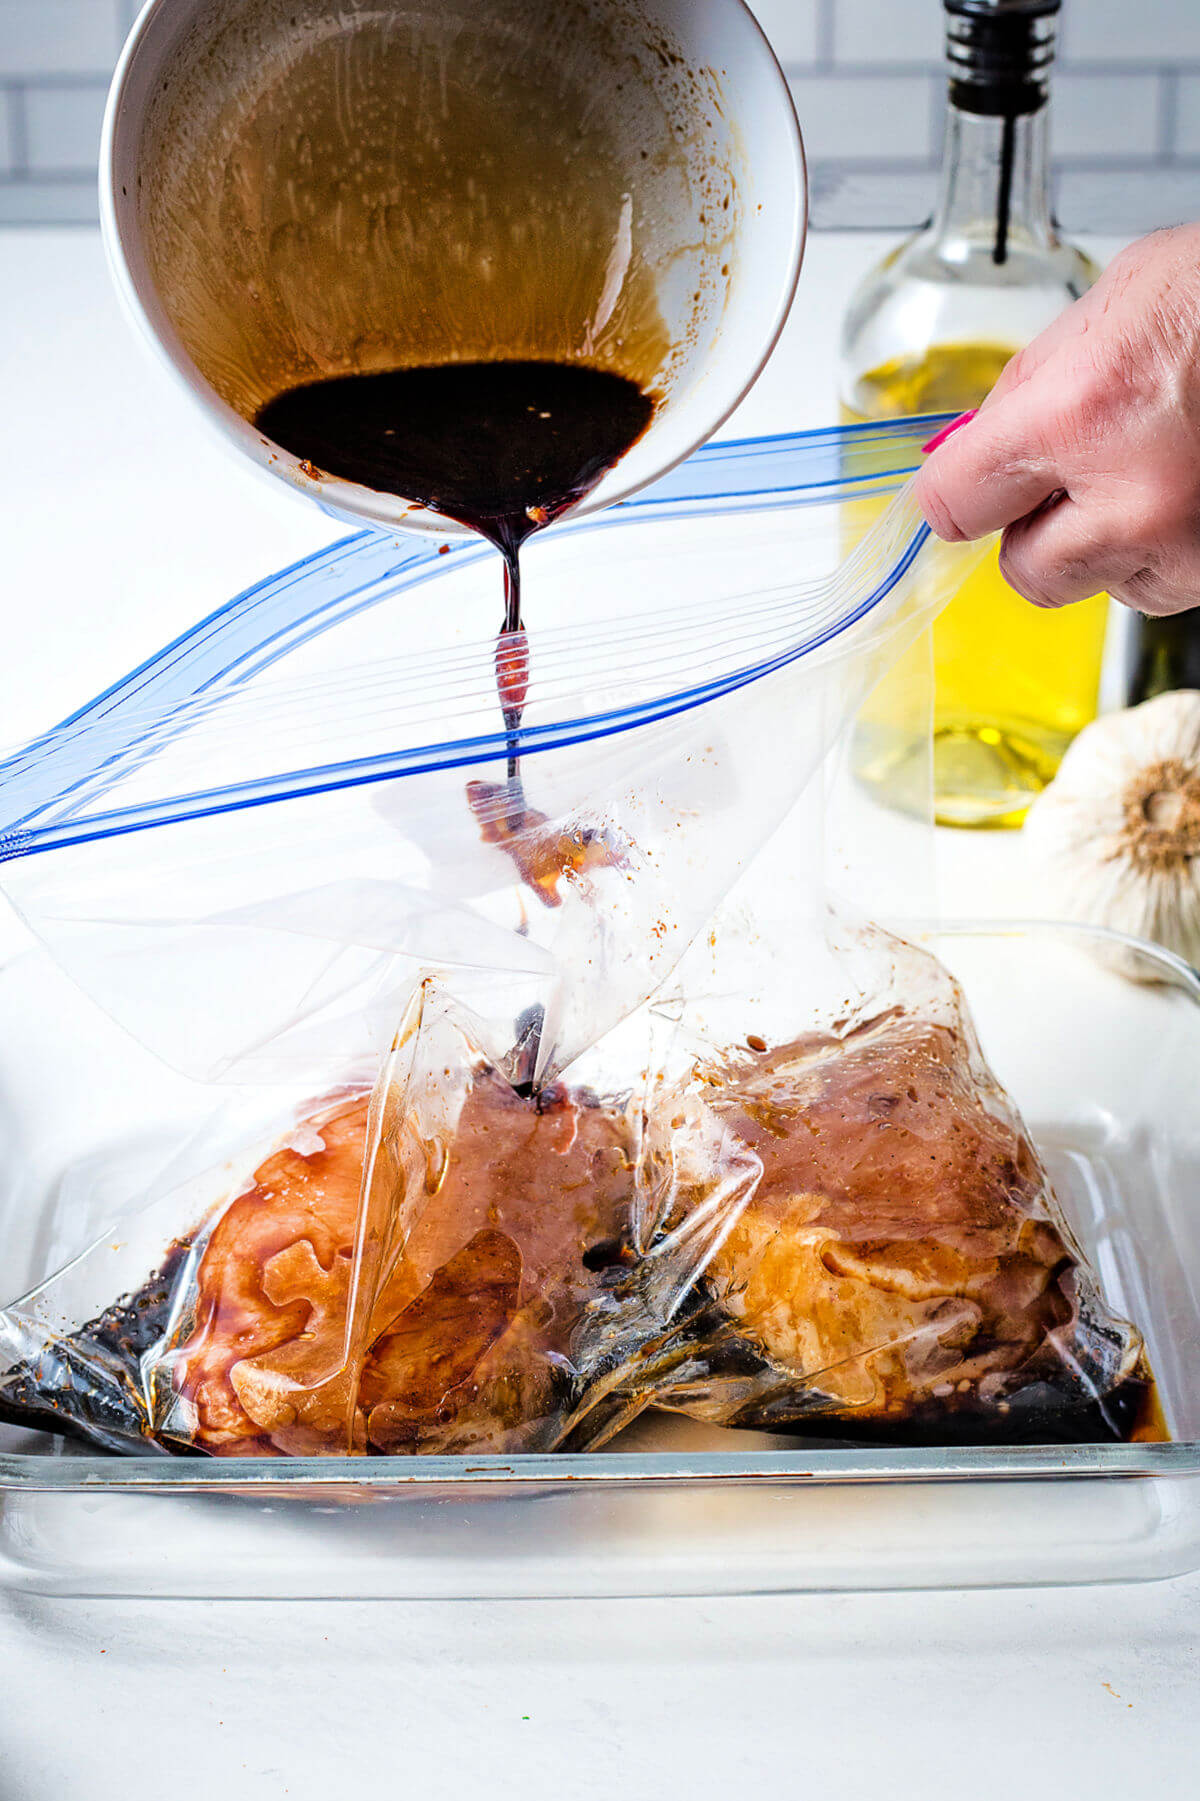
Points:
(503, 447)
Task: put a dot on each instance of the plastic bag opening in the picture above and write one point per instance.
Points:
(250, 850)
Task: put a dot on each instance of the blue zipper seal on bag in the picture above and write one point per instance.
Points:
(263, 624)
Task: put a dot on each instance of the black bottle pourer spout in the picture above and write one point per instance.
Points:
(1000, 52)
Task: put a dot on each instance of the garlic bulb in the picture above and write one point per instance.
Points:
(1116, 835)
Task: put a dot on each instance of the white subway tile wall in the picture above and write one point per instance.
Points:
(1187, 115)
(62, 126)
(793, 27)
(881, 117)
(59, 37)
(866, 75)
(871, 32)
(1132, 31)
(1095, 115)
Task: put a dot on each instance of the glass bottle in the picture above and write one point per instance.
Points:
(929, 330)
(1163, 654)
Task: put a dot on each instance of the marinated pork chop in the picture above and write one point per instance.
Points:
(898, 1254)
(467, 1341)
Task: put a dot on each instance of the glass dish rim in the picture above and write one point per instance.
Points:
(462, 1476)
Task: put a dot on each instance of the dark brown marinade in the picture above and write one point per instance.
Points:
(86, 1384)
(503, 447)
(1117, 1419)
(704, 1348)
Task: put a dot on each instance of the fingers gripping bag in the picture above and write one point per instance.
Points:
(459, 1187)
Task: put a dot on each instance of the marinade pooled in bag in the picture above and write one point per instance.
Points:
(853, 1234)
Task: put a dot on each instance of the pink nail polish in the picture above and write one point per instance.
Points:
(941, 436)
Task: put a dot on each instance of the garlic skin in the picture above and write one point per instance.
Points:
(1116, 836)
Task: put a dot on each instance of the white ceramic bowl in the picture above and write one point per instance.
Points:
(608, 179)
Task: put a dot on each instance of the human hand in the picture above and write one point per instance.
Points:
(1086, 454)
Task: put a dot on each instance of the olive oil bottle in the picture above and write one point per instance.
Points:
(928, 331)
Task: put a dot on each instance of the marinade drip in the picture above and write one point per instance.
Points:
(505, 447)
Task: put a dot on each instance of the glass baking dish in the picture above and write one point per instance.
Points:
(1102, 1066)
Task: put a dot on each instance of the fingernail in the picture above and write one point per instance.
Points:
(941, 436)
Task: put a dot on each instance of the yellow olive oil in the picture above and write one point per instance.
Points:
(1012, 683)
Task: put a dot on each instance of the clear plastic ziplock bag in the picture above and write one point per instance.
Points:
(841, 1224)
(413, 1268)
(251, 850)
(833, 1222)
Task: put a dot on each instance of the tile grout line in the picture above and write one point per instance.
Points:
(24, 183)
(938, 99)
(897, 71)
(1168, 114)
(1133, 65)
(76, 83)
(825, 33)
(18, 129)
(48, 178)
(1130, 164)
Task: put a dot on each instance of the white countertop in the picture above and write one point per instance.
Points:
(123, 523)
